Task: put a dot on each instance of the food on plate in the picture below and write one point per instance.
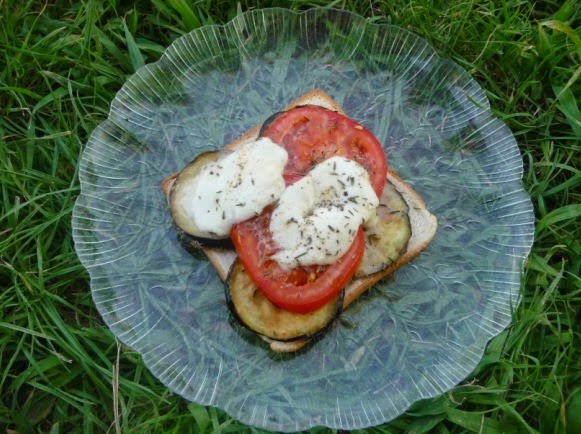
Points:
(299, 217)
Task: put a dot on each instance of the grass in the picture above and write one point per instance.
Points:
(62, 371)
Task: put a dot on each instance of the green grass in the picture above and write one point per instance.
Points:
(62, 371)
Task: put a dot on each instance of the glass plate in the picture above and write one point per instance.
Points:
(411, 337)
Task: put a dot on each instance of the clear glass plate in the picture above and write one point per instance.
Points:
(410, 337)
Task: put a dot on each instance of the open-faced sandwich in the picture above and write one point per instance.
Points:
(299, 217)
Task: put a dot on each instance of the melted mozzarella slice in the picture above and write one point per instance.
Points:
(317, 217)
(236, 187)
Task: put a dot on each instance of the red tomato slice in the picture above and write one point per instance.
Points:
(301, 289)
(312, 134)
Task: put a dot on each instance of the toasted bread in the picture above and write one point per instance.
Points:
(423, 223)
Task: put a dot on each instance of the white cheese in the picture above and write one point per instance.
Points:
(236, 187)
(317, 217)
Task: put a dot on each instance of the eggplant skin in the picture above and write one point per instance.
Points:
(195, 245)
(256, 313)
(268, 122)
(189, 235)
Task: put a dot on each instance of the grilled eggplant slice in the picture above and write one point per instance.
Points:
(190, 235)
(387, 238)
(386, 241)
(254, 311)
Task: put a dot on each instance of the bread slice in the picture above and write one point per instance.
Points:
(423, 223)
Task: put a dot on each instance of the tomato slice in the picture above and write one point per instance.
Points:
(311, 134)
(300, 289)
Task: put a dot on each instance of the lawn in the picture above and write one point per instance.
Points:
(61, 64)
